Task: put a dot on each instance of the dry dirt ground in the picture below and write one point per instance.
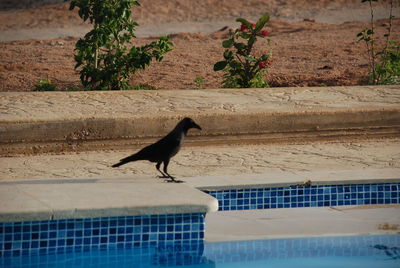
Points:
(314, 42)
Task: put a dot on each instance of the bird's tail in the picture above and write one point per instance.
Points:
(125, 160)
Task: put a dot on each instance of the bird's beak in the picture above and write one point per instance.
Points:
(196, 126)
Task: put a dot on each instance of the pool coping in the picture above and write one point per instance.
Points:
(298, 178)
(48, 199)
(34, 200)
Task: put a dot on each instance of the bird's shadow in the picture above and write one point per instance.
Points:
(170, 180)
(174, 181)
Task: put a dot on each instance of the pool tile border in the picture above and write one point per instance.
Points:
(307, 196)
(76, 235)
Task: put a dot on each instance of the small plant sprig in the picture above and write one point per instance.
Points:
(45, 85)
(199, 81)
(384, 62)
(242, 68)
(105, 55)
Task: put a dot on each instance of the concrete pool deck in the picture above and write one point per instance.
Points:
(221, 160)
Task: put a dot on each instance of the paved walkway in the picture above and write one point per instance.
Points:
(211, 160)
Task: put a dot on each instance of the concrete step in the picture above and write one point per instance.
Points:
(35, 122)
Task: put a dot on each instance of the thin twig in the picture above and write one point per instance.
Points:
(389, 33)
(372, 43)
(239, 59)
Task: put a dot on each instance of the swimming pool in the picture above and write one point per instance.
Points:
(178, 239)
(354, 251)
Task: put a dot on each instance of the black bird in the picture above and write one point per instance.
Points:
(163, 150)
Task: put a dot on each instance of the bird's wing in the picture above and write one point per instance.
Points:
(161, 150)
(168, 146)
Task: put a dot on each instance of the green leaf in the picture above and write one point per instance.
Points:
(243, 21)
(264, 57)
(245, 36)
(240, 46)
(251, 59)
(261, 22)
(252, 40)
(227, 43)
(228, 54)
(220, 65)
(235, 65)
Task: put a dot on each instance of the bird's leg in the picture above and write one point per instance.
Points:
(166, 162)
(158, 168)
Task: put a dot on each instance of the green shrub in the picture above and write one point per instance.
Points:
(242, 68)
(105, 55)
(384, 62)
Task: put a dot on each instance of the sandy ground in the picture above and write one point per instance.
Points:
(314, 42)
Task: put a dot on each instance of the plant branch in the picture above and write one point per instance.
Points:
(237, 56)
(389, 33)
(373, 56)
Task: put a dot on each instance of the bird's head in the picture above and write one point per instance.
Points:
(189, 123)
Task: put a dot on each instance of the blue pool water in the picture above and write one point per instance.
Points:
(350, 252)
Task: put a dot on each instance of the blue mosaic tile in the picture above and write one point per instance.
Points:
(307, 196)
(183, 254)
(75, 235)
